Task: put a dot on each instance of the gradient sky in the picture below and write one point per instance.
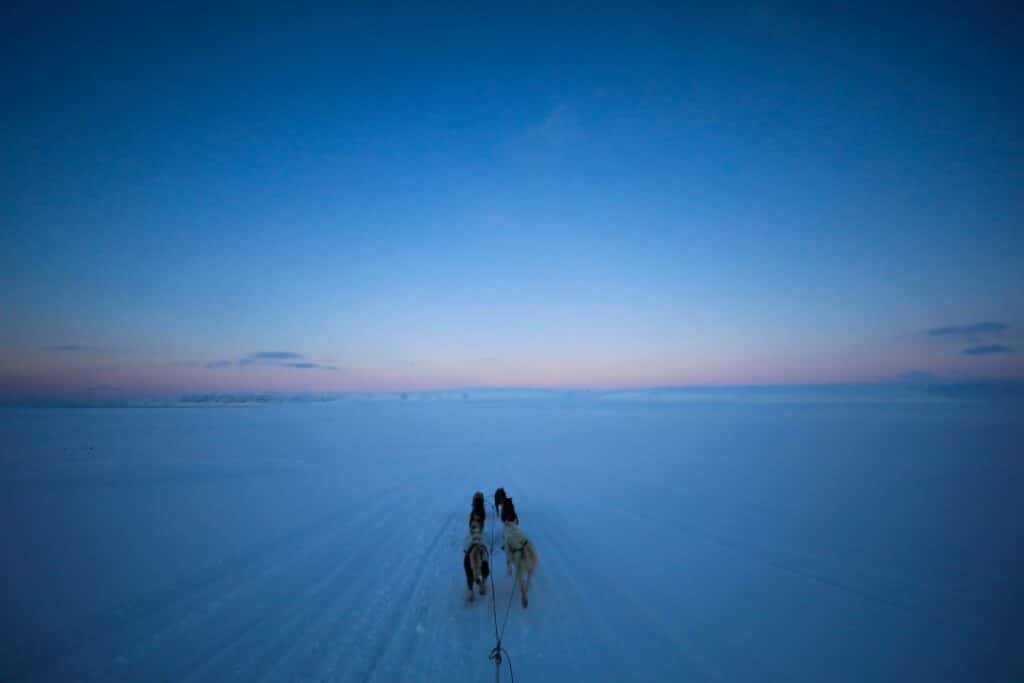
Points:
(294, 199)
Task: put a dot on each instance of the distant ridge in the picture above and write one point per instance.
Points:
(916, 387)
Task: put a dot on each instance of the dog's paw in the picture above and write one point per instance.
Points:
(525, 601)
(471, 597)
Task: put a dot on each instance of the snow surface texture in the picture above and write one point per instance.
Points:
(831, 541)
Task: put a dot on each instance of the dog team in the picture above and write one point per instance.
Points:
(519, 551)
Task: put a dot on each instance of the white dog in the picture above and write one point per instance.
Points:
(519, 551)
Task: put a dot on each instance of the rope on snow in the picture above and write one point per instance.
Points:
(498, 650)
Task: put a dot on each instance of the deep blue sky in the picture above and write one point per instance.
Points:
(295, 198)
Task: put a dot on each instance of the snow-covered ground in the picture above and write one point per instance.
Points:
(727, 540)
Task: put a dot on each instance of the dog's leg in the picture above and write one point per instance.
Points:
(469, 575)
(526, 588)
(517, 580)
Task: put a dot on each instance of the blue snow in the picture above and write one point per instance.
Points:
(682, 537)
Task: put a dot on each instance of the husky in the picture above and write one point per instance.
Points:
(478, 515)
(519, 551)
(508, 511)
(476, 561)
(499, 500)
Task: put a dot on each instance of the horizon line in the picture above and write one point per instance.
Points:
(113, 394)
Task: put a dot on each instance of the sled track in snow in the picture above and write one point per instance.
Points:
(397, 619)
(273, 628)
(201, 619)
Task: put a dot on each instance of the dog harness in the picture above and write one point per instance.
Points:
(520, 549)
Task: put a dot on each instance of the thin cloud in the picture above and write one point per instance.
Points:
(278, 359)
(547, 140)
(987, 350)
(559, 129)
(968, 330)
(307, 365)
(270, 357)
(74, 348)
(276, 355)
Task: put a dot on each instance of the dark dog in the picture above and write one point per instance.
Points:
(508, 512)
(477, 515)
(499, 500)
(475, 561)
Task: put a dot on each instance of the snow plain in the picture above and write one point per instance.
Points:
(679, 540)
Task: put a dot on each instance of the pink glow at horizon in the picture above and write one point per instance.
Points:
(165, 379)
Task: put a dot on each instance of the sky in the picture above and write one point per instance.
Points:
(300, 198)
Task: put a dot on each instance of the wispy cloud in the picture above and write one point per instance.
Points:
(983, 339)
(270, 357)
(559, 128)
(974, 330)
(986, 350)
(548, 139)
(275, 355)
(307, 365)
(279, 359)
(74, 348)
